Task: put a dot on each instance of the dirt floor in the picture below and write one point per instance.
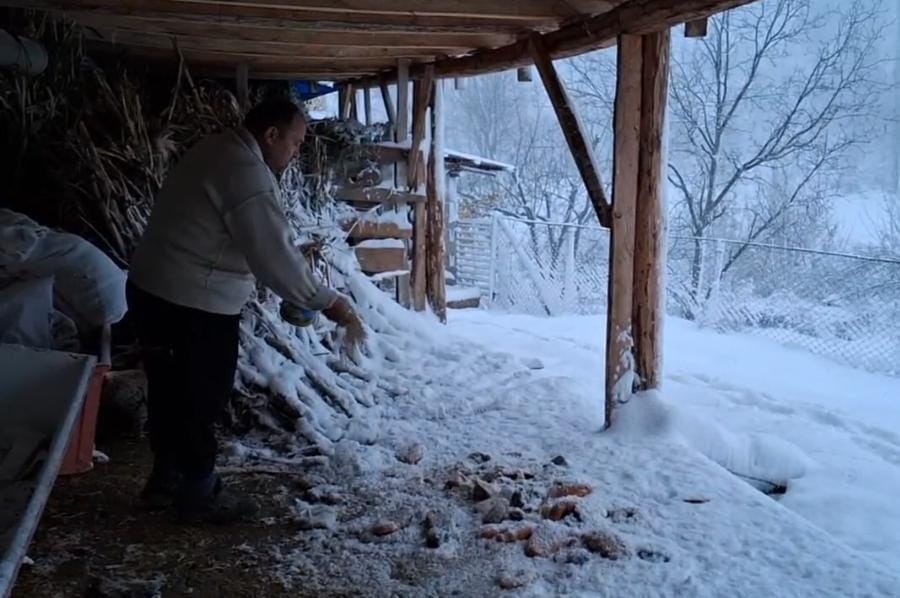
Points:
(94, 541)
(331, 530)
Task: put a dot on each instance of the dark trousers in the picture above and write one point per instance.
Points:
(190, 358)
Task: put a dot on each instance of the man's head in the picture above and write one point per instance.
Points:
(279, 128)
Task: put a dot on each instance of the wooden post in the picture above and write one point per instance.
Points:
(345, 97)
(619, 359)
(242, 84)
(422, 89)
(436, 277)
(402, 100)
(367, 105)
(649, 248)
(416, 178)
(571, 127)
(354, 104)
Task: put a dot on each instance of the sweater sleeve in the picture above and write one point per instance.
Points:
(261, 230)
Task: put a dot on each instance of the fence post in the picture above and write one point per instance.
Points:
(569, 288)
(708, 303)
(492, 285)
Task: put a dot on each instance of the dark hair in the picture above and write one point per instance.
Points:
(278, 112)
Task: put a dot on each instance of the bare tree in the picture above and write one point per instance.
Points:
(503, 119)
(764, 115)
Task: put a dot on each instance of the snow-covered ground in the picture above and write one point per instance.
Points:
(754, 407)
(514, 402)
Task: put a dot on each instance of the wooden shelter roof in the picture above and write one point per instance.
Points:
(363, 40)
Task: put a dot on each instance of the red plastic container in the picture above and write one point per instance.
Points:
(79, 457)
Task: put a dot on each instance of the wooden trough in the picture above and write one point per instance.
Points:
(41, 413)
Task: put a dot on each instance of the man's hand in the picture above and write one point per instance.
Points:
(342, 314)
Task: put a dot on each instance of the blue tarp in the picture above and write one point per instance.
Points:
(307, 90)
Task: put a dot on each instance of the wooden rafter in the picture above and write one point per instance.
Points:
(571, 128)
(469, 37)
(583, 35)
(239, 47)
(288, 32)
(258, 63)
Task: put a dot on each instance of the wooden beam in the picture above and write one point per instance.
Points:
(619, 359)
(288, 32)
(583, 35)
(434, 206)
(267, 48)
(377, 195)
(649, 251)
(474, 9)
(474, 15)
(242, 86)
(571, 127)
(375, 260)
(363, 229)
(256, 62)
(696, 28)
(367, 105)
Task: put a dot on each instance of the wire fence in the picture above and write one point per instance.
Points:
(841, 306)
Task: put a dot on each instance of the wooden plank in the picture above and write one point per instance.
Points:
(256, 12)
(373, 260)
(378, 195)
(401, 10)
(288, 32)
(649, 253)
(238, 46)
(363, 229)
(255, 61)
(436, 284)
(583, 35)
(242, 85)
(697, 28)
(572, 129)
(421, 97)
(619, 359)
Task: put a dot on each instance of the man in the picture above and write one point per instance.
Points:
(217, 222)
